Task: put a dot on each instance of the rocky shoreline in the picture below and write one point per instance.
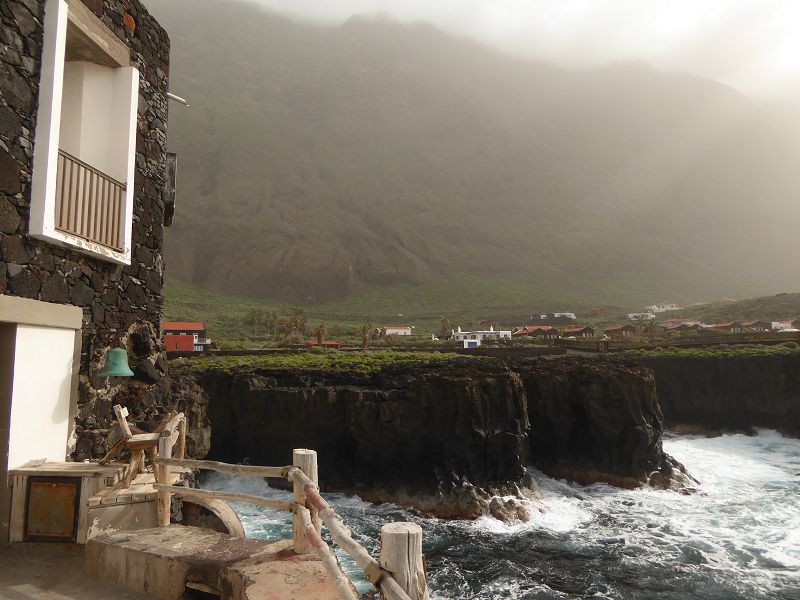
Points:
(452, 440)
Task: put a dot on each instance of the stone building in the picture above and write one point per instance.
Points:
(83, 193)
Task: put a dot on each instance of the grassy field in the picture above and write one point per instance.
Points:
(357, 362)
(770, 308)
(721, 351)
(424, 306)
(420, 306)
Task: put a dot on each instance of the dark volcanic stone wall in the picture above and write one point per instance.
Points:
(737, 393)
(423, 430)
(594, 421)
(116, 300)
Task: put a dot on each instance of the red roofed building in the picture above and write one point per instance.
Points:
(314, 343)
(185, 336)
(759, 326)
(543, 332)
(620, 331)
(735, 327)
(578, 332)
(682, 326)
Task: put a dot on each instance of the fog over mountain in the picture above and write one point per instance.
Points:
(319, 161)
(750, 44)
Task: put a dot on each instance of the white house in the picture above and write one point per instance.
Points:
(660, 308)
(646, 316)
(480, 336)
(398, 330)
(568, 315)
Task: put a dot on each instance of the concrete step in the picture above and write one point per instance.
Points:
(162, 560)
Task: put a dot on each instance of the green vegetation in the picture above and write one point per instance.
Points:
(358, 362)
(720, 351)
(375, 169)
(768, 308)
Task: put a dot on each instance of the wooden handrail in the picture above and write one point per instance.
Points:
(89, 204)
(327, 556)
(228, 496)
(220, 467)
(343, 537)
(91, 168)
(304, 509)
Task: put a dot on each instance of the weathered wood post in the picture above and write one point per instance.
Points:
(306, 460)
(181, 439)
(163, 477)
(401, 555)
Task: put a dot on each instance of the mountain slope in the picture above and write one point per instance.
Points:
(318, 163)
(767, 308)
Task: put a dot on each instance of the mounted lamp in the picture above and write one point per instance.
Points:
(116, 364)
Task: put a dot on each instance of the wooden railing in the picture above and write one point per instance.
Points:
(89, 204)
(399, 575)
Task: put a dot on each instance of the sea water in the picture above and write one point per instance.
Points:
(738, 537)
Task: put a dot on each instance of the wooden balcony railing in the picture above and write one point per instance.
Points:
(89, 204)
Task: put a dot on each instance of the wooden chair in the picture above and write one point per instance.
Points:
(141, 443)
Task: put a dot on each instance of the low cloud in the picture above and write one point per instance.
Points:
(752, 45)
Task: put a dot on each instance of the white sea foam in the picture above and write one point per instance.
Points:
(737, 537)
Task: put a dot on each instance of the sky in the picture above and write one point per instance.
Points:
(752, 45)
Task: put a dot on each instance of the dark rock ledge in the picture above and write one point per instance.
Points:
(451, 440)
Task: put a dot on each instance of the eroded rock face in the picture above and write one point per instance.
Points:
(592, 421)
(452, 441)
(443, 440)
(148, 396)
(737, 393)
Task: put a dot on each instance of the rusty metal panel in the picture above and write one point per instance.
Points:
(170, 185)
(53, 506)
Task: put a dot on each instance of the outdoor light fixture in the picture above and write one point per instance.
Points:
(116, 364)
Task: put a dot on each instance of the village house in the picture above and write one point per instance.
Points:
(85, 193)
(333, 345)
(757, 326)
(185, 336)
(640, 316)
(660, 308)
(542, 332)
(578, 332)
(398, 330)
(620, 331)
(786, 324)
(682, 326)
(473, 339)
(734, 327)
(561, 318)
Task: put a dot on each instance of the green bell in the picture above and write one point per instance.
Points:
(116, 364)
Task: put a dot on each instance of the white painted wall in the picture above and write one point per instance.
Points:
(40, 402)
(94, 109)
(96, 112)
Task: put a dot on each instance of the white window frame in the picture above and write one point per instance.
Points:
(48, 125)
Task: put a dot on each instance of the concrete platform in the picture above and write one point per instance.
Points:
(165, 561)
(53, 571)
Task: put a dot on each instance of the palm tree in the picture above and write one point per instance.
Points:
(445, 331)
(254, 317)
(367, 333)
(270, 320)
(320, 332)
(297, 319)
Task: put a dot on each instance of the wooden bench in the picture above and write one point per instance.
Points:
(173, 426)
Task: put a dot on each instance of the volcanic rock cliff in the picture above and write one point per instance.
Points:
(443, 440)
(737, 393)
(593, 421)
(449, 438)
